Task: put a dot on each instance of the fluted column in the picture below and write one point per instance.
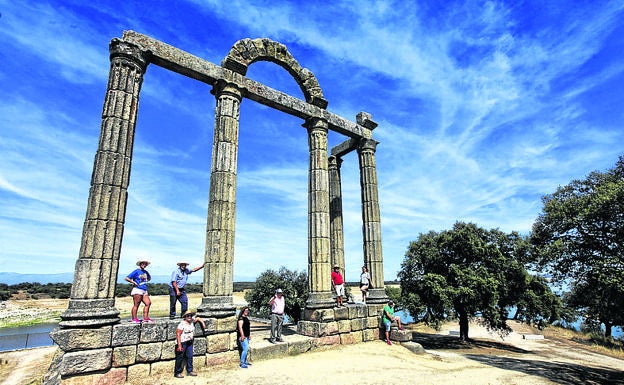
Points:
(371, 221)
(219, 257)
(92, 300)
(335, 214)
(319, 269)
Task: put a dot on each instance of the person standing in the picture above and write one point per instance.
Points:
(177, 291)
(243, 329)
(139, 279)
(338, 284)
(278, 305)
(185, 333)
(364, 283)
(388, 318)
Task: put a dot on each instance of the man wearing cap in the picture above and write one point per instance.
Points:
(278, 305)
(388, 318)
(338, 284)
(176, 287)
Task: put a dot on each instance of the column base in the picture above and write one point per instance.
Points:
(320, 300)
(218, 306)
(376, 296)
(88, 313)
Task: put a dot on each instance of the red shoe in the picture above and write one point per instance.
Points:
(401, 328)
(389, 343)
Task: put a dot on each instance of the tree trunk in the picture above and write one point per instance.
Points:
(608, 326)
(463, 326)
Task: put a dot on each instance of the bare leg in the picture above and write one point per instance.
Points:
(148, 302)
(135, 307)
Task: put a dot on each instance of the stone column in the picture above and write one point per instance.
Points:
(335, 213)
(92, 300)
(319, 269)
(371, 223)
(219, 257)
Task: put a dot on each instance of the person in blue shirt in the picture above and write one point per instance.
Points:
(139, 278)
(176, 287)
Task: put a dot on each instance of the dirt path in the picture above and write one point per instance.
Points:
(485, 360)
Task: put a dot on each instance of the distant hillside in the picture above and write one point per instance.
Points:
(14, 278)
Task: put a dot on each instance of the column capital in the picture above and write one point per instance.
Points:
(222, 87)
(120, 49)
(367, 145)
(334, 162)
(316, 123)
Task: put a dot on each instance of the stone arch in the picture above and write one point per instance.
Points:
(248, 51)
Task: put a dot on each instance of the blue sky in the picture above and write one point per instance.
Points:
(483, 107)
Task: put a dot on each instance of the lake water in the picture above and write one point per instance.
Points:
(26, 336)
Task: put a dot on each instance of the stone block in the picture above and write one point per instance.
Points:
(308, 328)
(153, 332)
(300, 346)
(372, 323)
(80, 339)
(199, 346)
(318, 315)
(113, 376)
(199, 361)
(218, 343)
(225, 325)
(328, 328)
(126, 334)
(357, 324)
(124, 355)
(358, 311)
(414, 347)
(351, 338)
(269, 351)
(137, 374)
(211, 327)
(341, 313)
(161, 368)
(86, 361)
(370, 335)
(344, 326)
(327, 340)
(400, 335)
(149, 352)
(375, 310)
(223, 358)
(168, 350)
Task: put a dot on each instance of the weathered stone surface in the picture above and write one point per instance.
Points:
(341, 313)
(222, 358)
(137, 374)
(227, 324)
(161, 368)
(328, 328)
(113, 376)
(217, 343)
(400, 335)
(86, 361)
(370, 335)
(327, 340)
(318, 315)
(357, 324)
(357, 311)
(351, 338)
(168, 350)
(344, 326)
(78, 339)
(149, 352)
(199, 346)
(199, 361)
(153, 332)
(308, 328)
(301, 345)
(124, 355)
(413, 347)
(372, 322)
(264, 351)
(126, 334)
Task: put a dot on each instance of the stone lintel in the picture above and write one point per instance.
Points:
(184, 63)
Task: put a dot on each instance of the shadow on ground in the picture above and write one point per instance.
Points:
(559, 372)
(440, 342)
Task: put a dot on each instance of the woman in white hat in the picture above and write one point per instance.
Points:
(139, 278)
(185, 333)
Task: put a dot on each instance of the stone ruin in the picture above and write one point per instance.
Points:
(94, 346)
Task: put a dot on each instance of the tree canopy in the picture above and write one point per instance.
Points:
(579, 239)
(465, 272)
(294, 285)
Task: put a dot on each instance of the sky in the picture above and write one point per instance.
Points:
(483, 107)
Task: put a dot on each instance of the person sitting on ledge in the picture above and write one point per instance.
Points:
(388, 318)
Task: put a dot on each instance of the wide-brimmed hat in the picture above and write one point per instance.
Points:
(183, 263)
(336, 266)
(189, 312)
(141, 260)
